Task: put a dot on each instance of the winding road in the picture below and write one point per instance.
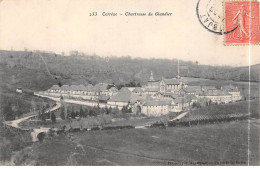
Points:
(15, 123)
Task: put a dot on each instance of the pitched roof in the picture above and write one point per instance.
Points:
(113, 89)
(191, 97)
(215, 93)
(89, 88)
(181, 100)
(139, 97)
(182, 90)
(193, 89)
(172, 81)
(121, 96)
(155, 83)
(55, 87)
(101, 87)
(151, 89)
(222, 92)
(208, 88)
(138, 90)
(65, 87)
(81, 87)
(74, 87)
(124, 96)
(170, 94)
(184, 81)
(124, 89)
(230, 88)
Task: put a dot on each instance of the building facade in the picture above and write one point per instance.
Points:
(158, 97)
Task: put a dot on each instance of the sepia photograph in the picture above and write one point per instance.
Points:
(129, 83)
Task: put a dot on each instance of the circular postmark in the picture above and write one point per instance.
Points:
(211, 16)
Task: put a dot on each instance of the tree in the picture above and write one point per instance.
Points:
(196, 105)
(115, 110)
(8, 112)
(77, 113)
(73, 115)
(209, 103)
(62, 113)
(53, 118)
(92, 112)
(87, 112)
(125, 110)
(5, 150)
(47, 106)
(103, 111)
(66, 110)
(48, 115)
(72, 109)
(98, 109)
(109, 110)
(33, 105)
(43, 117)
(81, 112)
(74, 53)
(68, 115)
(41, 111)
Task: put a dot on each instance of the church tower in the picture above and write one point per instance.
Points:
(151, 81)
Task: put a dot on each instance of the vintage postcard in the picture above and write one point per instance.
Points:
(129, 82)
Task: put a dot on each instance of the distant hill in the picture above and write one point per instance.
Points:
(38, 70)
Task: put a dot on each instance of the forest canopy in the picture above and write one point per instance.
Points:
(83, 69)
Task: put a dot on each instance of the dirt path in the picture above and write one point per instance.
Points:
(15, 123)
(152, 122)
(179, 116)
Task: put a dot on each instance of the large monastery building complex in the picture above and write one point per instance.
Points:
(156, 98)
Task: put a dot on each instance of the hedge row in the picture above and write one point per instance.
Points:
(59, 131)
(189, 123)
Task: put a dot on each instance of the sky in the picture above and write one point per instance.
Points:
(65, 25)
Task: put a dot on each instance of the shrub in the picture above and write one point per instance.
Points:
(21, 157)
(53, 118)
(62, 114)
(5, 150)
(73, 115)
(92, 121)
(43, 118)
(125, 110)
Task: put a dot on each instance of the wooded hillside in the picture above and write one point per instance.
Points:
(82, 69)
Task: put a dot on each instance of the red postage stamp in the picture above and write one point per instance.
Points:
(243, 18)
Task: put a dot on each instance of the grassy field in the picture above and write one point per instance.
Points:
(142, 121)
(241, 107)
(221, 144)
